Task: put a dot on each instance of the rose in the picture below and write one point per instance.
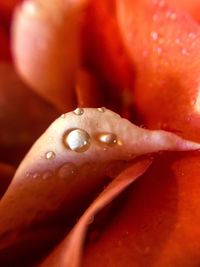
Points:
(156, 218)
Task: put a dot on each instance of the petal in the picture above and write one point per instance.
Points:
(49, 58)
(166, 53)
(53, 176)
(68, 253)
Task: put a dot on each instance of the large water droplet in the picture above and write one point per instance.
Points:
(109, 139)
(77, 140)
(78, 111)
(68, 169)
(50, 155)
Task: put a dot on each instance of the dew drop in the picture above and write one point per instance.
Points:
(159, 50)
(78, 111)
(62, 116)
(46, 175)
(68, 169)
(192, 35)
(36, 175)
(154, 35)
(50, 155)
(102, 109)
(184, 51)
(77, 140)
(109, 139)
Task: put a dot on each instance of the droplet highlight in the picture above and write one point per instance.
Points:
(68, 169)
(78, 111)
(50, 155)
(77, 140)
(108, 139)
(102, 109)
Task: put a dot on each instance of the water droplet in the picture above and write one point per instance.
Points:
(68, 169)
(177, 41)
(154, 35)
(36, 175)
(77, 140)
(159, 50)
(102, 109)
(184, 51)
(109, 139)
(78, 111)
(115, 167)
(171, 15)
(62, 116)
(145, 53)
(46, 175)
(192, 35)
(91, 219)
(50, 155)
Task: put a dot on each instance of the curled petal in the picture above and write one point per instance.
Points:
(68, 253)
(48, 59)
(69, 162)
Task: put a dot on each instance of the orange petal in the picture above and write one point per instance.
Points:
(68, 253)
(49, 58)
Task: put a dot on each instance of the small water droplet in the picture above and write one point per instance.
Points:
(78, 111)
(115, 167)
(109, 139)
(102, 109)
(154, 35)
(50, 155)
(46, 175)
(77, 140)
(91, 219)
(159, 50)
(145, 53)
(177, 41)
(192, 35)
(36, 175)
(184, 51)
(62, 116)
(171, 15)
(155, 17)
(68, 169)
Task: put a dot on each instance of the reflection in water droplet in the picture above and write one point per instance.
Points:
(78, 111)
(50, 155)
(109, 139)
(102, 109)
(46, 175)
(68, 169)
(77, 140)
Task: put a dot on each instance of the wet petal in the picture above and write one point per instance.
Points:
(72, 157)
(69, 252)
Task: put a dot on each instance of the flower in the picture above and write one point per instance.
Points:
(72, 200)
